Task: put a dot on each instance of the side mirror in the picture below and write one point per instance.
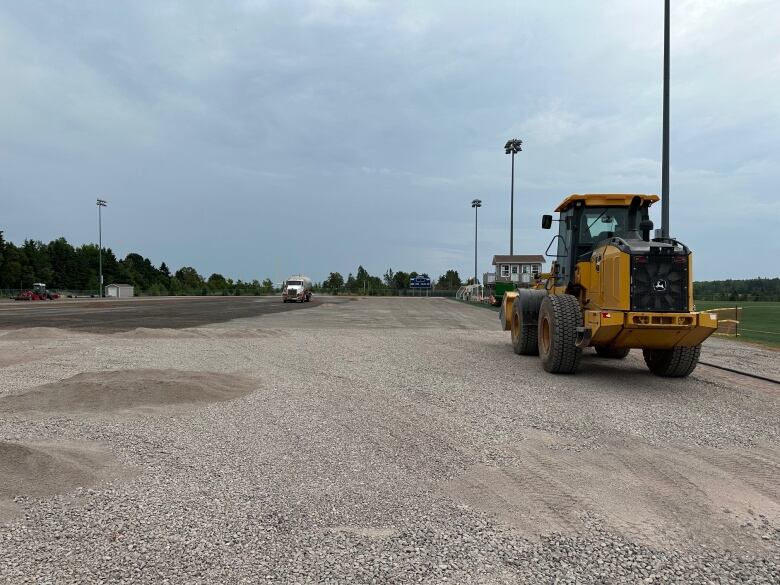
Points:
(546, 222)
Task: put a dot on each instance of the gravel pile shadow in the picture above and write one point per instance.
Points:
(43, 469)
(118, 390)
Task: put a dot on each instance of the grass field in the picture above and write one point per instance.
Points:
(758, 320)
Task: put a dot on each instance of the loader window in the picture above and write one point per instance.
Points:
(600, 223)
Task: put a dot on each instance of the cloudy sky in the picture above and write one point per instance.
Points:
(260, 138)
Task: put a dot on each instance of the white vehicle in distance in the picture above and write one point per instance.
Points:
(297, 289)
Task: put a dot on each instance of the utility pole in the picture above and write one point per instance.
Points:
(665, 153)
(476, 204)
(100, 204)
(512, 147)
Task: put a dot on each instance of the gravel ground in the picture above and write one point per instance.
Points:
(395, 440)
(743, 356)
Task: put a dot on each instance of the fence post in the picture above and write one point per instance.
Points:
(736, 321)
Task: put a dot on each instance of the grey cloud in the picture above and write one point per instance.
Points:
(218, 130)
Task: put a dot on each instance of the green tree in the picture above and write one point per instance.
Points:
(450, 280)
(217, 283)
(401, 280)
(334, 282)
(189, 279)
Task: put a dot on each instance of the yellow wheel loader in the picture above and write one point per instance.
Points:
(611, 287)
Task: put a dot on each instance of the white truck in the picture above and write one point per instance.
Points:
(297, 289)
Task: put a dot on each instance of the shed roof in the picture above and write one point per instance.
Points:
(518, 259)
(119, 284)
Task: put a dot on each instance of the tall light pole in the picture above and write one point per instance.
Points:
(512, 147)
(476, 204)
(100, 204)
(665, 153)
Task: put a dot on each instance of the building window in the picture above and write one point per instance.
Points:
(537, 268)
(504, 270)
(525, 268)
(514, 268)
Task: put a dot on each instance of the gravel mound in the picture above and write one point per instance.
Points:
(44, 469)
(163, 333)
(128, 389)
(35, 333)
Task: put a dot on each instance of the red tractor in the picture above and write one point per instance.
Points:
(38, 293)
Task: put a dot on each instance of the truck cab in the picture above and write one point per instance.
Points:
(297, 289)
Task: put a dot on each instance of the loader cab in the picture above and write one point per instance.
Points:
(587, 220)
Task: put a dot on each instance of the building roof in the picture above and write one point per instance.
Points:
(605, 199)
(118, 284)
(518, 259)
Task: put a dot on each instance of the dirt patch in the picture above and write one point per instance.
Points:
(665, 497)
(120, 390)
(38, 470)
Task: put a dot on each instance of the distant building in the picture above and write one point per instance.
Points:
(518, 269)
(119, 291)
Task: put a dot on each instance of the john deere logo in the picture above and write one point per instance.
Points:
(660, 285)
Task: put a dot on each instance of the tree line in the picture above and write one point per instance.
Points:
(364, 283)
(751, 289)
(63, 266)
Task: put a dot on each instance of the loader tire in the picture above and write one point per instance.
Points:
(677, 362)
(611, 352)
(525, 322)
(559, 317)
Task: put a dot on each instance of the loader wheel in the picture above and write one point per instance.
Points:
(525, 322)
(677, 362)
(559, 317)
(501, 318)
(611, 352)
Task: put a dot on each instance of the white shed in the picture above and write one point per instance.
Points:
(119, 291)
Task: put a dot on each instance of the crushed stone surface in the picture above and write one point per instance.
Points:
(395, 441)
